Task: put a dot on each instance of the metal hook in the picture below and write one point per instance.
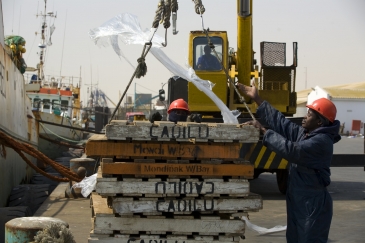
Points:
(165, 44)
(174, 18)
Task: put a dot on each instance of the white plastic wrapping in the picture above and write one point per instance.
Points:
(262, 230)
(126, 27)
(87, 185)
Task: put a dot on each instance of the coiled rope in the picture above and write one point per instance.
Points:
(21, 148)
(199, 7)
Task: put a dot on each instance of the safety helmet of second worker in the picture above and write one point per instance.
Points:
(178, 111)
(325, 112)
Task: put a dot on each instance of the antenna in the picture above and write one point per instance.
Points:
(63, 45)
(43, 44)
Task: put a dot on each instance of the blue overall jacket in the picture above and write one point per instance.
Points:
(309, 205)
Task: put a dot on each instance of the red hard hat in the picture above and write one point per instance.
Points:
(178, 104)
(325, 107)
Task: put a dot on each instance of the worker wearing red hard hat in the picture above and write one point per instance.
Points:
(178, 110)
(308, 149)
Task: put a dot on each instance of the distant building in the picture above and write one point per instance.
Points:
(348, 98)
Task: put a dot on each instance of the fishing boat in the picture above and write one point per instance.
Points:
(55, 101)
(16, 121)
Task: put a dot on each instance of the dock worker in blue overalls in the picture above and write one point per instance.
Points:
(308, 149)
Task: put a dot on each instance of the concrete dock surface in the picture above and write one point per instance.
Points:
(347, 190)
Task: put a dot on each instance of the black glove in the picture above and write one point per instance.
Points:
(196, 118)
(155, 117)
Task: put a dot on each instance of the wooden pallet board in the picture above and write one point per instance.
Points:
(143, 238)
(205, 226)
(98, 145)
(118, 239)
(183, 131)
(99, 206)
(158, 188)
(126, 168)
(126, 206)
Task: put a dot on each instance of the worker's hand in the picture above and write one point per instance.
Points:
(155, 117)
(256, 124)
(195, 118)
(250, 91)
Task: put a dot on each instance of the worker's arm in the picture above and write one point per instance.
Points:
(277, 122)
(314, 152)
(272, 117)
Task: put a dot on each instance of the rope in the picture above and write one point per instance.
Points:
(199, 7)
(61, 143)
(174, 6)
(22, 148)
(167, 14)
(70, 140)
(163, 11)
(159, 14)
(56, 233)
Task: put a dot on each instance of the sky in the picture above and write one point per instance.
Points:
(330, 36)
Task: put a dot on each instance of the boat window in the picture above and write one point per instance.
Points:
(46, 103)
(55, 104)
(64, 105)
(204, 56)
(36, 103)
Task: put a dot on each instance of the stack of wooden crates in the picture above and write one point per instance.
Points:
(171, 183)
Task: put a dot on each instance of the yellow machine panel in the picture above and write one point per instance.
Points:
(198, 101)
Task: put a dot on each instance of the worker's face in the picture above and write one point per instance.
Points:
(311, 121)
(177, 115)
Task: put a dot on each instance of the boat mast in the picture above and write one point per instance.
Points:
(43, 44)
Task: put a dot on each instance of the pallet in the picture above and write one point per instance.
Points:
(128, 206)
(184, 225)
(105, 222)
(182, 132)
(99, 145)
(172, 187)
(126, 168)
(118, 238)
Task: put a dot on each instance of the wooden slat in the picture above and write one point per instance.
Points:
(121, 206)
(203, 227)
(161, 188)
(100, 206)
(126, 168)
(108, 148)
(157, 239)
(183, 131)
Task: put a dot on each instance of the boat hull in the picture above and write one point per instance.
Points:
(56, 132)
(14, 108)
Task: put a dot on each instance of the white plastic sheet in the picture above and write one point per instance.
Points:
(126, 28)
(87, 185)
(262, 230)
